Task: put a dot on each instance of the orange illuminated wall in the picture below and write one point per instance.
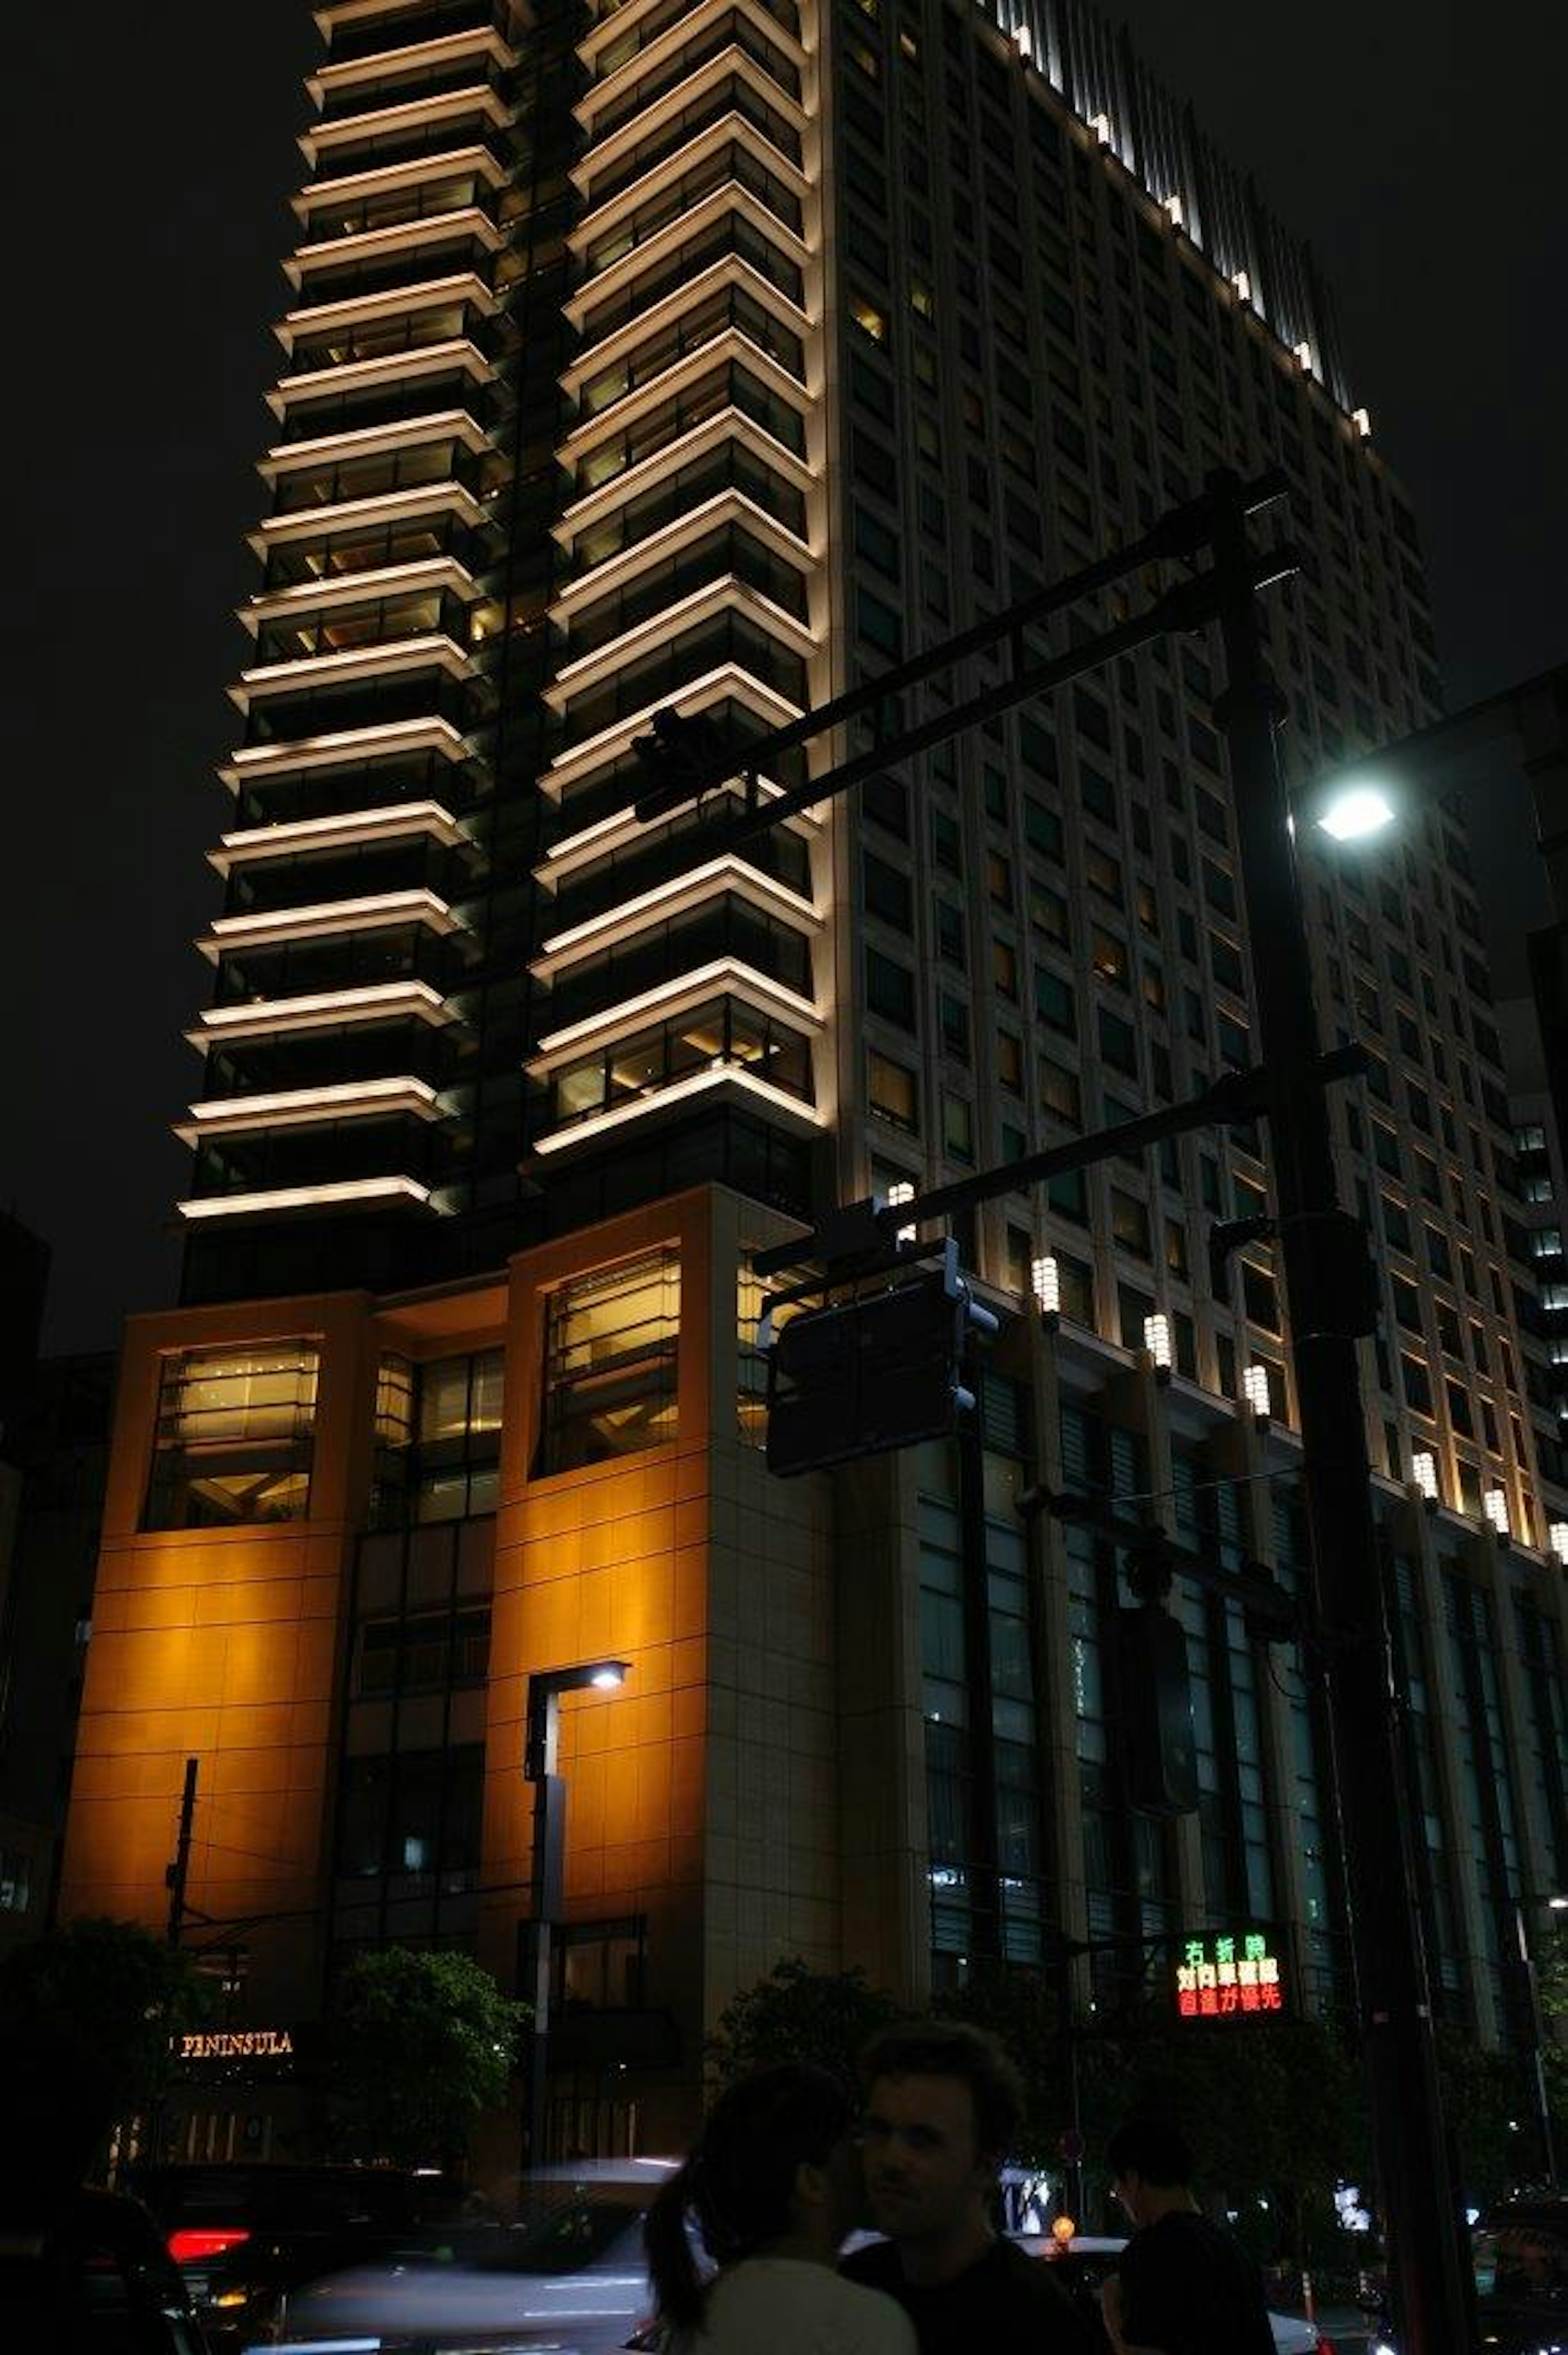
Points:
(220, 1644)
(611, 1559)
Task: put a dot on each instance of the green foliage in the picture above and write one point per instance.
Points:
(117, 1990)
(1020, 2008)
(798, 2014)
(420, 2044)
(1487, 2102)
(1274, 2111)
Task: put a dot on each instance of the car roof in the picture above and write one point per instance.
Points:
(602, 2171)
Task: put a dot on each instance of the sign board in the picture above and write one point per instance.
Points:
(1220, 1978)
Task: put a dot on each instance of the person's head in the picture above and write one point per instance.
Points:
(1151, 2163)
(775, 2157)
(942, 2106)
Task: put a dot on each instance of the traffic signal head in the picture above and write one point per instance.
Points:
(685, 754)
(1158, 1746)
(865, 1376)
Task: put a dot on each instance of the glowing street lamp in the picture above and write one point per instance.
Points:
(1355, 811)
(547, 1878)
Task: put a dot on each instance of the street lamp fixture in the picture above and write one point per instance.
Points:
(1355, 809)
(1254, 1388)
(1424, 1471)
(547, 1878)
(1557, 1538)
(1495, 1504)
(1157, 1341)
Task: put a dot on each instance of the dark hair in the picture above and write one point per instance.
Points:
(739, 2181)
(954, 2048)
(1152, 2146)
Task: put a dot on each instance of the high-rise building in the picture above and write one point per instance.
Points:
(721, 355)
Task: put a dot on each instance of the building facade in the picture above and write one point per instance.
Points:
(724, 354)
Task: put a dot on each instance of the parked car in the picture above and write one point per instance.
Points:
(92, 2277)
(1520, 2257)
(1086, 2260)
(246, 2236)
(569, 2274)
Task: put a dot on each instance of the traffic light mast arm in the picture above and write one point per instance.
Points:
(1178, 536)
(1231, 1100)
(1272, 1614)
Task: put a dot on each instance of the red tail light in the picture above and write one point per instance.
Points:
(188, 2248)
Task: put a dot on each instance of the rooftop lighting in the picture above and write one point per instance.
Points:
(1045, 1276)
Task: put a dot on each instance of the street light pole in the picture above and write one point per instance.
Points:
(547, 1870)
(1537, 2087)
(1320, 1248)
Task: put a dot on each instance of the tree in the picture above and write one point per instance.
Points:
(114, 1988)
(799, 2014)
(1020, 2008)
(1273, 2108)
(1488, 2103)
(420, 2044)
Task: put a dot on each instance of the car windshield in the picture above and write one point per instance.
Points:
(1523, 2263)
(564, 2235)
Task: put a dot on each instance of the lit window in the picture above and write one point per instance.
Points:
(236, 1436)
(868, 318)
(891, 1090)
(610, 1363)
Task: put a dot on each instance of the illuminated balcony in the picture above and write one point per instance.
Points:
(431, 732)
(343, 1194)
(728, 292)
(442, 578)
(662, 902)
(441, 427)
(385, 126)
(333, 205)
(721, 1045)
(728, 595)
(428, 650)
(728, 203)
(352, 827)
(305, 1107)
(270, 928)
(724, 680)
(438, 61)
(468, 224)
(724, 442)
(460, 290)
(381, 1001)
(629, 58)
(729, 79)
(373, 372)
(669, 1000)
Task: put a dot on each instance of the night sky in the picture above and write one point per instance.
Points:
(1417, 146)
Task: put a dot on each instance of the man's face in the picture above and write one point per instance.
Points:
(923, 2172)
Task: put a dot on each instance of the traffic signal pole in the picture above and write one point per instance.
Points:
(1376, 1820)
(1323, 1256)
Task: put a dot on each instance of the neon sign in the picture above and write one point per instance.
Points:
(1219, 1979)
(237, 2045)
